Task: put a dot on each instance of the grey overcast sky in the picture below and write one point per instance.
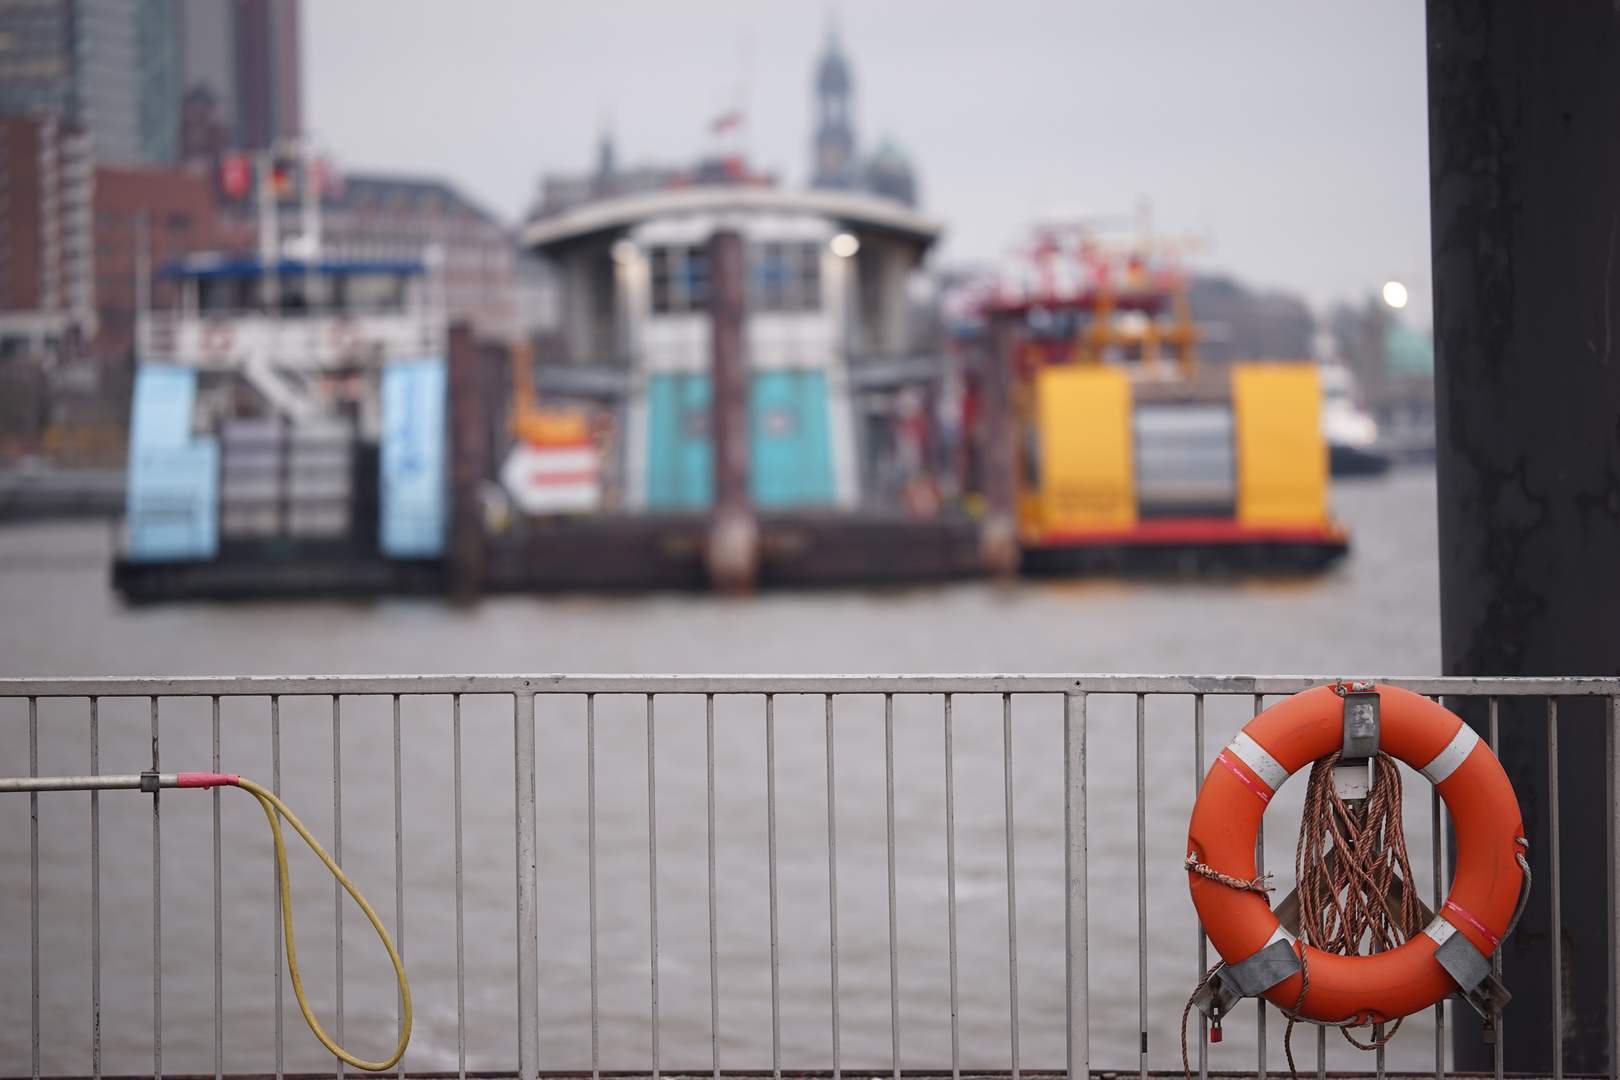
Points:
(1291, 134)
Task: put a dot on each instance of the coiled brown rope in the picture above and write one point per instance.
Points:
(1363, 895)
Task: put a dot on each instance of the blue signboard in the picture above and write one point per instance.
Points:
(414, 493)
(172, 501)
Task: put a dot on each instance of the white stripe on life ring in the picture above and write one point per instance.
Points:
(1446, 761)
(1252, 754)
(1439, 929)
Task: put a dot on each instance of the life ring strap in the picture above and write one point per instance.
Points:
(1484, 930)
(1261, 791)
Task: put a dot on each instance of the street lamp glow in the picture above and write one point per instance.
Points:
(1394, 294)
(844, 245)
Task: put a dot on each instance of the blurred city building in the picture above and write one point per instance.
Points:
(379, 217)
(138, 132)
(155, 81)
(47, 288)
(563, 191)
(1393, 365)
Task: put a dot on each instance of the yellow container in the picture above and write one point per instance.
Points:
(1282, 459)
(1085, 453)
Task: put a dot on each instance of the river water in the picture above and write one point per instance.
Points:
(1375, 614)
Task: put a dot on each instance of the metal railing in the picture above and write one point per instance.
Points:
(1065, 1024)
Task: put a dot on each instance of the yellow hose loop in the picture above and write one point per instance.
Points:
(271, 806)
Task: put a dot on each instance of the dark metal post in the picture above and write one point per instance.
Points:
(998, 532)
(1524, 130)
(733, 554)
(470, 463)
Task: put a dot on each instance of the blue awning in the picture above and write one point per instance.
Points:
(242, 266)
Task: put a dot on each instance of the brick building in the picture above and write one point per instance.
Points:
(161, 214)
(46, 285)
(386, 217)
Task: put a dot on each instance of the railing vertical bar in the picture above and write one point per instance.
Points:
(1012, 881)
(714, 920)
(652, 876)
(832, 889)
(337, 857)
(461, 939)
(157, 912)
(590, 858)
(1321, 1053)
(528, 887)
(1203, 942)
(399, 871)
(275, 879)
(1260, 868)
(33, 883)
(950, 890)
(1612, 745)
(1556, 889)
(1141, 885)
(894, 909)
(770, 861)
(219, 916)
(1436, 824)
(1077, 995)
(1496, 957)
(95, 894)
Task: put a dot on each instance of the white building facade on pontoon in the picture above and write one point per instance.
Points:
(827, 298)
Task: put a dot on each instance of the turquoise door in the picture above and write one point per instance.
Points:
(791, 448)
(680, 456)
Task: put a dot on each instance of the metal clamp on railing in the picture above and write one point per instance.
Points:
(1250, 977)
(1471, 968)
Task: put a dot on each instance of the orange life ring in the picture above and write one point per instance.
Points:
(1484, 812)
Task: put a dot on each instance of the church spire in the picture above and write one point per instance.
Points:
(834, 146)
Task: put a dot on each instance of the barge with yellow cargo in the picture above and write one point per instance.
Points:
(1127, 456)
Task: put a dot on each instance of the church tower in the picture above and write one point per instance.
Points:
(834, 149)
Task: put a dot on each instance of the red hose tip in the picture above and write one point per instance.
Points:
(206, 779)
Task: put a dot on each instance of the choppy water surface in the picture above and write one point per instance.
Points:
(1376, 614)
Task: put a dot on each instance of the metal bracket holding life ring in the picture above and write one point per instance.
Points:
(1452, 952)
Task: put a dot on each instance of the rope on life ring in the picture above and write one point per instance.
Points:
(1328, 985)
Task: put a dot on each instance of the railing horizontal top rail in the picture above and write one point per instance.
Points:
(264, 685)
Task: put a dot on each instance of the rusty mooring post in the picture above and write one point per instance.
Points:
(998, 531)
(733, 553)
(470, 463)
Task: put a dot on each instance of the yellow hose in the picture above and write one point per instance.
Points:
(271, 806)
